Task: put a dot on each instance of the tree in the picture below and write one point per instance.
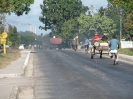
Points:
(129, 25)
(56, 12)
(27, 38)
(14, 37)
(116, 13)
(127, 4)
(10, 28)
(16, 6)
(89, 25)
(69, 30)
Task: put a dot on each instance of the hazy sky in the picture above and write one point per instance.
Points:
(23, 22)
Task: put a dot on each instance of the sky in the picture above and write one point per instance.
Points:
(24, 22)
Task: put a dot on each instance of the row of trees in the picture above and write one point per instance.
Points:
(69, 18)
(16, 38)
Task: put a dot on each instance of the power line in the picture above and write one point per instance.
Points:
(32, 27)
(17, 22)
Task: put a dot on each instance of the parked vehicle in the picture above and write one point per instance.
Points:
(21, 46)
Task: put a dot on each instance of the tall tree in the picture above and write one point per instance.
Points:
(16, 6)
(56, 12)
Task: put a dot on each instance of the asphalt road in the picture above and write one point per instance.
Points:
(68, 74)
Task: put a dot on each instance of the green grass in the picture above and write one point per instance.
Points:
(6, 59)
(127, 51)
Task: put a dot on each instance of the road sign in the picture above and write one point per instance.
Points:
(4, 35)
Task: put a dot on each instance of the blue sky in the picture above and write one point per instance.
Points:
(23, 22)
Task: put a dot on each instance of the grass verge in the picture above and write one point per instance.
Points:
(126, 51)
(11, 55)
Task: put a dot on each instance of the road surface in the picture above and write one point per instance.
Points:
(68, 74)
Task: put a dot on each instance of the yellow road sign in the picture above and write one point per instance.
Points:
(4, 35)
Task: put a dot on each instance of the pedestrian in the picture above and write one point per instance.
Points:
(74, 43)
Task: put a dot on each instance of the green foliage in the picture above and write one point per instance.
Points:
(69, 29)
(113, 12)
(9, 43)
(89, 25)
(27, 38)
(127, 4)
(16, 6)
(56, 12)
(101, 41)
(129, 24)
(85, 24)
(14, 37)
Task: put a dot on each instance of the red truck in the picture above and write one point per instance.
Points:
(55, 43)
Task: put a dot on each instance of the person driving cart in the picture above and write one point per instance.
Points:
(96, 37)
(105, 38)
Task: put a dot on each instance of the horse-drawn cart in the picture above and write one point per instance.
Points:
(98, 48)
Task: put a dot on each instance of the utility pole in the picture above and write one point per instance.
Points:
(120, 24)
(4, 21)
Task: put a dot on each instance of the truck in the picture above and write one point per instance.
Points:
(56, 43)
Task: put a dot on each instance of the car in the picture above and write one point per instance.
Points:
(7, 46)
(21, 46)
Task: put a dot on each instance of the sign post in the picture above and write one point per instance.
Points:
(3, 37)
